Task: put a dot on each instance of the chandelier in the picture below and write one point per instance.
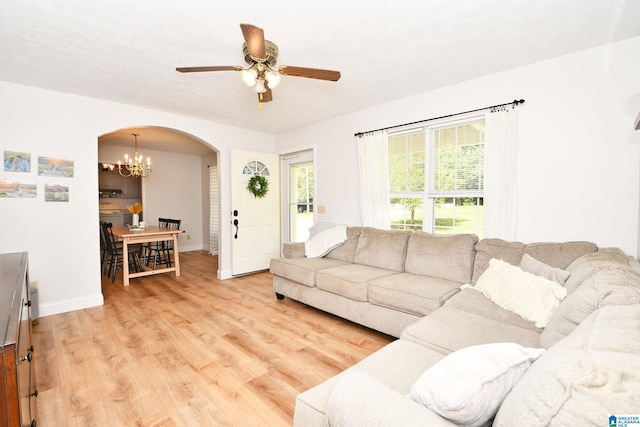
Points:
(133, 166)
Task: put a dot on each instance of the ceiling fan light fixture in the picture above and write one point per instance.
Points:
(273, 77)
(249, 77)
(259, 87)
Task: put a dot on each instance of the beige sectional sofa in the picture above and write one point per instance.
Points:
(408, 285)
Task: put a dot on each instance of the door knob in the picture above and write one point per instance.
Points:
(235, 222)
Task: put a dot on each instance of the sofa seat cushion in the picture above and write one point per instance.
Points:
(302, 270)
(358, 399)
(583, 379)
(397, 365)
(349, 280)
(449, 329)
(447, 257)
(411, 293)
(605, 287)
(385, 249)
(472, 301)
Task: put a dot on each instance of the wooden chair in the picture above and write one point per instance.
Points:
(112, 252)
(161, 251)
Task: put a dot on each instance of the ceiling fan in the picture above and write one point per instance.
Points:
(262, 75)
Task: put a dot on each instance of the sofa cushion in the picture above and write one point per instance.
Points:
(539, 268)
(605, 259)
(347, 250)
(358, 399)
(449, 329)
(382, 248)
(397, 365)
(558, 255)
(301, 270)
(487, 249)
(472, 301)
(532, 297)
(441, 256)
(468, 386)
(585, 378)
(410, 293)
(604, 287)
(349, 280)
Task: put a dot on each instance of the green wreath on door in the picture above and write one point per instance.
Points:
(258, 186)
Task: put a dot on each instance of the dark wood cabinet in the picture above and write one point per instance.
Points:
(18, 407)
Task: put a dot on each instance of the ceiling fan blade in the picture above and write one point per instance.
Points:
(254, 37)
(311, 73)
(201, 69)
(265, 97)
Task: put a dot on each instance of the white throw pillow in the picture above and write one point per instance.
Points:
(323, 237)
(539, 268)
(468, 386)
(532, 297)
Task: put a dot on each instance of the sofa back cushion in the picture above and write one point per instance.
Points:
(441, 256)
(605, 259)
(585, 378)
(603, 288)
(382, 248)
(558, 255)
(347, 250)
(486, 249)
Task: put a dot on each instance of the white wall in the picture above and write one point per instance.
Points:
(578, 155)
(62, 238)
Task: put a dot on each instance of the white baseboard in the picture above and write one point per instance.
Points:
(70, 305)
(187, 248)
(224, 274)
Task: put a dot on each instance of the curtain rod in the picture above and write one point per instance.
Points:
(497, 107)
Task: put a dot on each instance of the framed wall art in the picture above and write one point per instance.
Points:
(17, 161)
(56, 192)
(13, 187)
(50, 166)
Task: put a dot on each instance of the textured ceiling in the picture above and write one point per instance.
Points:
(127, 51)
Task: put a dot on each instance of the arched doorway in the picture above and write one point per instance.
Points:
(178, 186)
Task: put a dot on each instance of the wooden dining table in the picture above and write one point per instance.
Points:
(152, 233)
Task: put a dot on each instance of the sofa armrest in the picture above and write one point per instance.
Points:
(359, 399)
(293, 250)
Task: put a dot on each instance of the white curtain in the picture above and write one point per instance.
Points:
(373, 183)
(214, 211)
(500, 184)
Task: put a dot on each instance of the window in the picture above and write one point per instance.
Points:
(437, 178)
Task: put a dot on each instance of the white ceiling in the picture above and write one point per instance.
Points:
(127, 51)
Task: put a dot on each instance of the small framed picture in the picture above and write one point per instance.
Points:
(24, 188)
(17, 161)
(50, 166)
(56, 192)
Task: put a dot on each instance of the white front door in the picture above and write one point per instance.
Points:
(255, 224)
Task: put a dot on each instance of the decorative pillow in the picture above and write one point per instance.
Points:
(539, 268)
(532, 297)
(323, 237)
(468, 386)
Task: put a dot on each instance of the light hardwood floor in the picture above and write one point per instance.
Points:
(189, 351)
